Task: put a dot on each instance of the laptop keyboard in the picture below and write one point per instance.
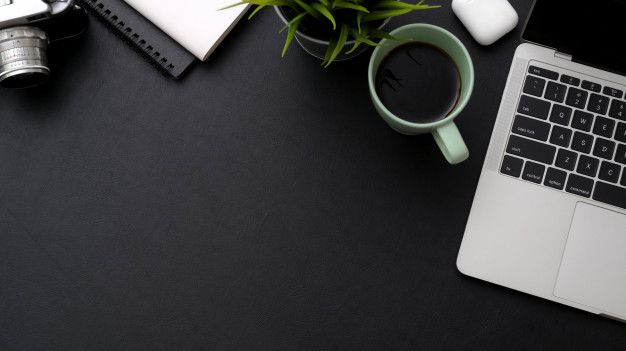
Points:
(569, 134)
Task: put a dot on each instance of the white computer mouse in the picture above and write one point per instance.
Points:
(486, 20)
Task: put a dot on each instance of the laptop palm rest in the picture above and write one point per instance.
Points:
(593, 268)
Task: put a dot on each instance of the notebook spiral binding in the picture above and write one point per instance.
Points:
(155, 46)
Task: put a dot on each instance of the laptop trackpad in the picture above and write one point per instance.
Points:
(593, 269)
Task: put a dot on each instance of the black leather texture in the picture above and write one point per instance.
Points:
(256, 204)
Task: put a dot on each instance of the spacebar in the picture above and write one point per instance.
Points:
(610, 194)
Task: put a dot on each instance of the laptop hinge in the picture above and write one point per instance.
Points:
(562, 56)
(612, 317)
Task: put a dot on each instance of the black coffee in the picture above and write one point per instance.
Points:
(418, 82)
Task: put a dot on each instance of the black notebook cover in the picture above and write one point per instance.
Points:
(156, 46)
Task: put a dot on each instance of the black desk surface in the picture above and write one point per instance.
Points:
(257, 204)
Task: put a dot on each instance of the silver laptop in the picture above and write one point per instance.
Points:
(549, 215)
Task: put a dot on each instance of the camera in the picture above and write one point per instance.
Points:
(27, 27)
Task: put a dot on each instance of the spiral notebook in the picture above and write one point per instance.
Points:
(198, 25)
(156, 46)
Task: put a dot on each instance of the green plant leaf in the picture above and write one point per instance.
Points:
(306, 7)
(359, 19)
(384, 14)
(355, 46)
(391, 4)
(256, 10)
(329, 51)
(339, 43)
(367, 41)
(354, 21)
(381, 34)
(261, 3)
(341, 4)
(267, 3)
(293, 27)
(362, 38)
(325, 12)
(234, 5)
(286, 26)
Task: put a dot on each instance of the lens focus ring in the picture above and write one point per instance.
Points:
(23, 32)
(23, 59)
(17, 55)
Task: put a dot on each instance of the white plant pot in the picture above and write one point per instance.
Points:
(317, 48)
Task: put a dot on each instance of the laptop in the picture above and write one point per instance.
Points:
(549, 214)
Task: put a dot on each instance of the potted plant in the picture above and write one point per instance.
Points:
(334, 30)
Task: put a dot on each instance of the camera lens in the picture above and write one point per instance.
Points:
(23, 61)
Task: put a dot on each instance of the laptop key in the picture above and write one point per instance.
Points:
(533, 107)
(579, 185)
(598, 104)
(555, 92)
(530, 149)
(560, 136)
(620, 155)
(609, 172)
(582, 120)
(618, 110)
(620, 134)
(555, 178)
(595, 146)
(610, 194)
(512, 166)
(542, 72)
(534, 86)
(612, 92)
(566, 159)
(533, 172)
(604, 148)
(604, 127)
(591, 86)
(582, 142)
(570, 80)
(532, 128)
(588, 166)
(576, 98)
(560, 114)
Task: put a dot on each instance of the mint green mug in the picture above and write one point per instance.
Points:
(444, 131)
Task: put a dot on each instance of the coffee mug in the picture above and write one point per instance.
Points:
(444, 131)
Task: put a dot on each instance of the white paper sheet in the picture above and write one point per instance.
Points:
(198, 25)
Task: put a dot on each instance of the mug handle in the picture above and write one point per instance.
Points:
(451, 143)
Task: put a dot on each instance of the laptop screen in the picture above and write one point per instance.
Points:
(593, 32)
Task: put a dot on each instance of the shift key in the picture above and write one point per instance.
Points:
(531, 150)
